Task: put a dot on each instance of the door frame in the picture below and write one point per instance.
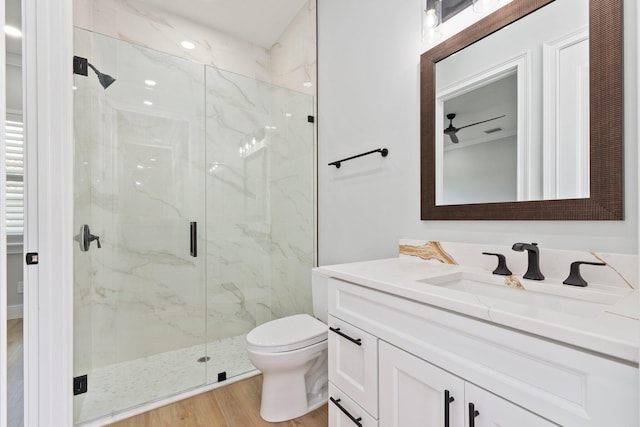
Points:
(48, 290)
(3, 236)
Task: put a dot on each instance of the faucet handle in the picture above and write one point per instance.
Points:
(575, 279)
(502, 268)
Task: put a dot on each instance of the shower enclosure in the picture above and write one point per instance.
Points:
(197, 184)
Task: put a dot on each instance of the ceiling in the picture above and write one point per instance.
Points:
(13, 18)
(258, 21)
(492, 100)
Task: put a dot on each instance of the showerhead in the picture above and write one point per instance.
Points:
(105, 79)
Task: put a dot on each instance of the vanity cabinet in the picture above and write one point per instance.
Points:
(414, 392)
(416, 352)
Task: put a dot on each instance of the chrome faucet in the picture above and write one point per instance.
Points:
(533, 270)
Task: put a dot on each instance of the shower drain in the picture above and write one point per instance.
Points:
(204, 359)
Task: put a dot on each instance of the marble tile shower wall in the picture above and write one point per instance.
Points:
(290, 62)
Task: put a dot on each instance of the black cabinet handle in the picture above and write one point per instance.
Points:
(351, 417)
(472, 415)
(342, 334)
(194, 239)
(447, 400)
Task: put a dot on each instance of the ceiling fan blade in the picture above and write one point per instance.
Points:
(484, 121)
(454, 138)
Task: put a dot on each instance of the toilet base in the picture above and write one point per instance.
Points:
(285, 399)
(293, 384)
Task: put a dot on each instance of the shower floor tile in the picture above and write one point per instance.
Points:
(124, 385)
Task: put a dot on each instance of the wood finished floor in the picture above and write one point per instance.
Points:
(15, 384)
(235, 405)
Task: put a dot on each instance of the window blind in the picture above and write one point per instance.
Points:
(14, 159)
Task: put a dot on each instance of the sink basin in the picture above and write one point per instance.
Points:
(588, 302)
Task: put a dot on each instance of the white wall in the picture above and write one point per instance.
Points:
(14, 275)
(368, 81)
(14, 82)
(481, 173)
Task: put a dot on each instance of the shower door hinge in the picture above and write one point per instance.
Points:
(311, 119)
(31, 258)
(80, 66)
(79, 385)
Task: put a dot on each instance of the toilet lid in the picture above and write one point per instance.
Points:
(287, 333)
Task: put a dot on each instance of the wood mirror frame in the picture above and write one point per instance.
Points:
(606, 201)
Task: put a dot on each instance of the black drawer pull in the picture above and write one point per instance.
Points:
(351, 417)
(447, 400)
(342, 334)
(472, 415)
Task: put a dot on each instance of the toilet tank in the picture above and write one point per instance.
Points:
(320, 295)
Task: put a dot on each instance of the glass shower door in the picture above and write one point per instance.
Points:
(260, 246)
(139, 285)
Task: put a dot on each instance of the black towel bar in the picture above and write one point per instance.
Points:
(382, 151)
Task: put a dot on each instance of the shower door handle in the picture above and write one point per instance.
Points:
(193, 232)
(85, 238)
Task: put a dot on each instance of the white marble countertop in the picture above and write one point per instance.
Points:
(613, 331)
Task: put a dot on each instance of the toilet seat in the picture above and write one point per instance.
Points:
(287, 334)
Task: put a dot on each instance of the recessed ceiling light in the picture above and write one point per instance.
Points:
(148, 103)
(12, 31)
(150, 83)
(187, 45)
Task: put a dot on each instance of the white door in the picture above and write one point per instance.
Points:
(484, 409)
(415, 393)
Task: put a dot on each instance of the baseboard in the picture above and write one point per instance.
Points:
(14, 312)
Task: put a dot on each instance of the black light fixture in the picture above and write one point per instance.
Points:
(81, 67)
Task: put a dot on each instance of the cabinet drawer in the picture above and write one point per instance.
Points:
(344, 412)
(353, 363)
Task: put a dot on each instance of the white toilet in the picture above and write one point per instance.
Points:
(291, 353)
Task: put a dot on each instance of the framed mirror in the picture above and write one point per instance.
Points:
(525, 126)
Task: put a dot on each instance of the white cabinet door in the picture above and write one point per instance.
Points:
(484, 409)
(344, 412)
(353, 363)
(415, 393)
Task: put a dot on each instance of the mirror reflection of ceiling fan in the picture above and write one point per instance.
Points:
(452, 130)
